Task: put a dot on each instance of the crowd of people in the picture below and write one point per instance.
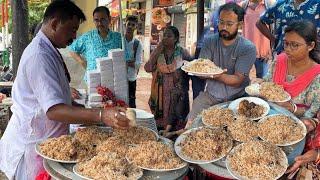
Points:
(281, 39)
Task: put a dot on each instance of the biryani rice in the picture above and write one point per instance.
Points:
(280, 129)
(206, 144)
(258, 160)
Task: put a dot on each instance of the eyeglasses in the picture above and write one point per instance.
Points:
(292, 45)
(228, 24)
(100, 20)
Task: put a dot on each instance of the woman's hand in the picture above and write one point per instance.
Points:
(307, 157)
(309, 124)
(115, 117)
(288, 105)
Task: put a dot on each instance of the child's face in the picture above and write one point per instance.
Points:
(131, 26)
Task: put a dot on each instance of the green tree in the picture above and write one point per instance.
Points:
(36, 11)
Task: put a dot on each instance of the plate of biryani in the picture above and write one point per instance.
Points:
(281, 130)
(202, 67)
(257, 160)
(203, 145)
(60, 149)
(107, 166)
(73, 148)
(269, 91)
(251, 107)
(155, 156)
(136, 134)
(217, 117)
(242, 129)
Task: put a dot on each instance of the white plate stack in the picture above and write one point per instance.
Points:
(105, 66)
(94, 80)
(120, 79)
(145, 119)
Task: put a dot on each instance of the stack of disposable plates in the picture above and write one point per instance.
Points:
(146, 119)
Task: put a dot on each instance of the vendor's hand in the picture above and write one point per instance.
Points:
(307, 157)
(131, 64)
(116, 117)
(75, 94)
(309, 125)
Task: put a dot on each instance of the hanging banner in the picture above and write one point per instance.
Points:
(160, 19)
(163, 3)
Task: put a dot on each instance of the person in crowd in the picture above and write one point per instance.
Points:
(297, 69)
(169, 100)
(41, 95)
(133, 55)
(231, 52)
(253, 10)
(283, 13)
(95, 43)
(199, 84)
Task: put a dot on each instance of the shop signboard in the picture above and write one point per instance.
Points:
(163, 2)
(160, 19)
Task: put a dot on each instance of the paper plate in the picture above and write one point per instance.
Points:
(235, 104)
(167, 142)
(296, 120)
(87, 178)
(193, 73)
(178, 150)
(37, 148)
(236, 175)
(254, 90)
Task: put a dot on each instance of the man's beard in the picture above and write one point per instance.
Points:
(228, 36)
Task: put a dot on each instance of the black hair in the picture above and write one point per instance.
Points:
(307, 30)
(64, 10)
(101, 9)
(132, 18)
(234, 7)
(175, 32)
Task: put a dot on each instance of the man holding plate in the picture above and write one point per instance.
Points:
(231, 52)
(41, 95)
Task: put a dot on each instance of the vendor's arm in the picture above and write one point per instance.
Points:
(77, 115)
(151, 65)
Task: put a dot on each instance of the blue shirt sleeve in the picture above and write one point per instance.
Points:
(268, 17)
(78, 45)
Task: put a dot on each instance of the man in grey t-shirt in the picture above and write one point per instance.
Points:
(231, 52)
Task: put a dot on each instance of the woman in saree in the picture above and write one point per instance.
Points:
(297, 70)
(169, 100)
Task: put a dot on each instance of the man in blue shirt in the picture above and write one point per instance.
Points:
(283, 13)
(96, 43)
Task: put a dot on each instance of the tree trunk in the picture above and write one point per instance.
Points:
(20, 28)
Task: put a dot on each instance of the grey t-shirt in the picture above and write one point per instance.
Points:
(238, 57)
